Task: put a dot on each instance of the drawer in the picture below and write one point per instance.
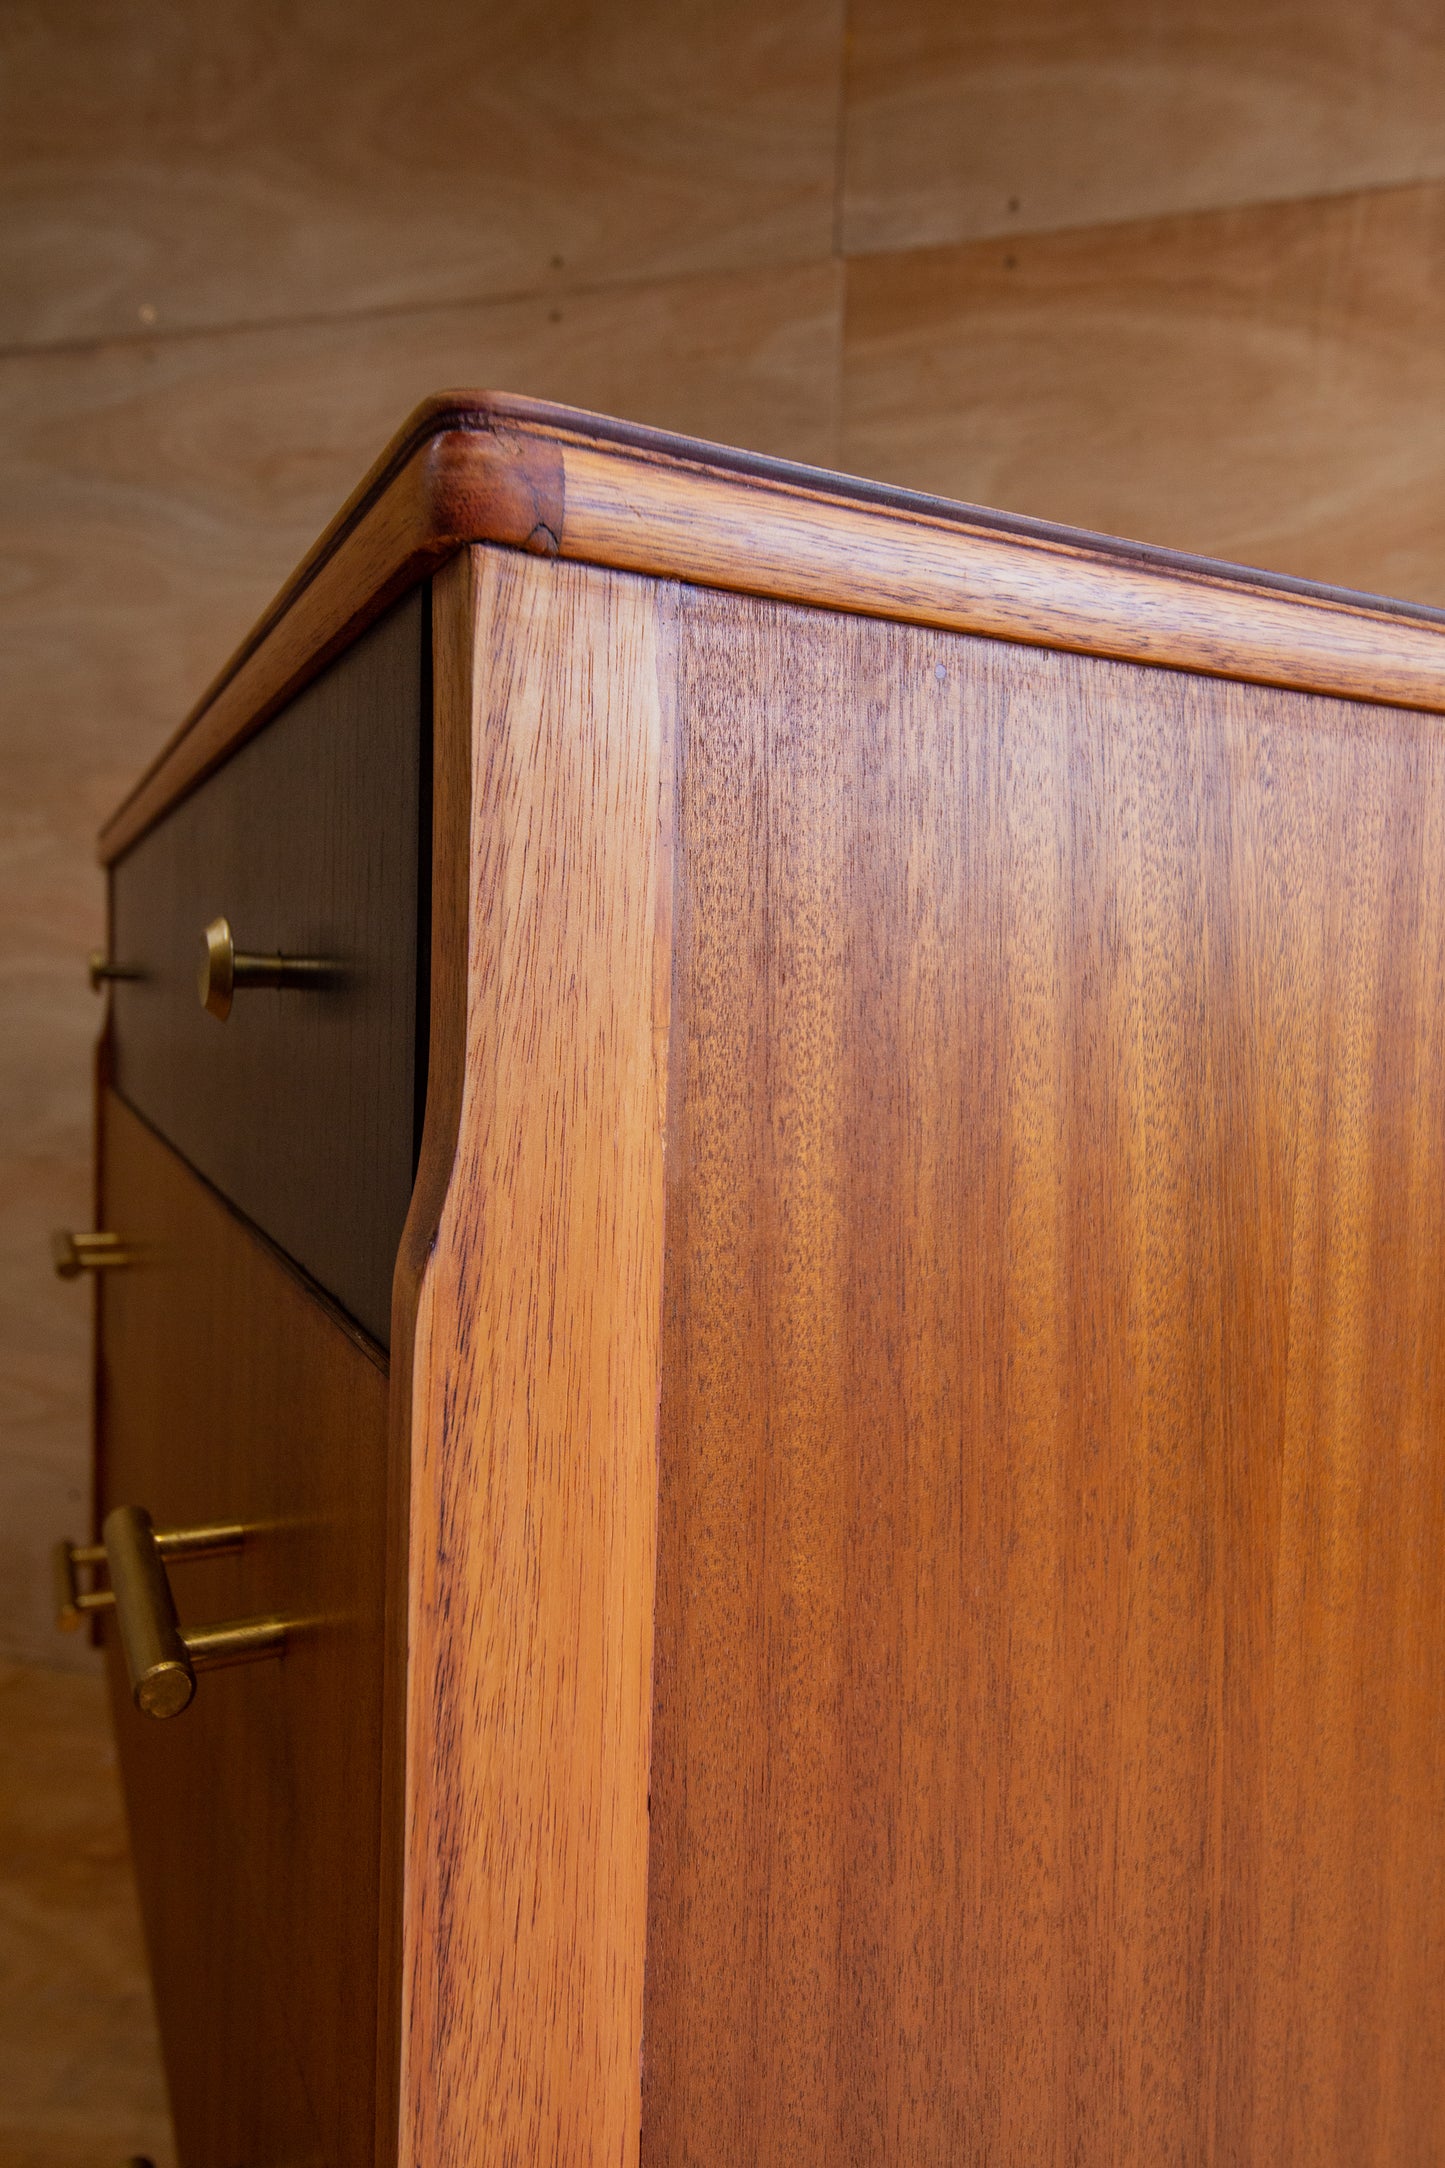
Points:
(302, 1105)
(228, 1394)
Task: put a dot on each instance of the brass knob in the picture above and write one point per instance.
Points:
(225, 970)
(161, 1658)
(73, 1254)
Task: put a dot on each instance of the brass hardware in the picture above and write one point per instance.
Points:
(225, 970)
(161, 1657)
(73, 1603)
(162, 1660)
(99, 968)
(73, 1254)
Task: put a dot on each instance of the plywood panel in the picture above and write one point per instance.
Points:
(1258, 384)
(191, 164)
(995, 118)
(1049, 1731)
(152, 498)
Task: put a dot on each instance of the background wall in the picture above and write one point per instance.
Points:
(1171, 268)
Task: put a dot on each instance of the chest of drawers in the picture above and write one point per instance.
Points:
(800, 1295)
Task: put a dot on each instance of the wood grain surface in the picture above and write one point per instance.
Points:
(228, 1391)
(1049, 1723)
(1255, 384)
(491, 466)
(208, 165)
(534, 1409)
(992, 119)
(455, 692)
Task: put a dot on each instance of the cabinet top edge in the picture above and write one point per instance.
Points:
(486, 414)
(494, 467)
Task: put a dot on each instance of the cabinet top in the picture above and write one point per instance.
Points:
(492, 467)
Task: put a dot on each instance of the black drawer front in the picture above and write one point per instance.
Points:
(301, 1107)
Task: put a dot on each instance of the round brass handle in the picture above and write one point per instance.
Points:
(225, 970)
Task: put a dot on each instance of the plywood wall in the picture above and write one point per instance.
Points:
(1169, 269)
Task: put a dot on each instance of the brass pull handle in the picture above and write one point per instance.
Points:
(161, 1657)
(225, 970)
(73, 1254)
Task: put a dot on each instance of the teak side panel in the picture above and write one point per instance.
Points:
(534, 1406)
(1049, 1720)
(227, 1391)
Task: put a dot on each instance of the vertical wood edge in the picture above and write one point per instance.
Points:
(453, 652)
(532, 1369)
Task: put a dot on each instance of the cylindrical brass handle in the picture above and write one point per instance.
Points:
(162, 1658)
(161, 1675)
(73, 1254)
(225, 970)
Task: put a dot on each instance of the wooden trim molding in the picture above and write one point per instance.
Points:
(535, 1371)
(488, 467)
(454, 697)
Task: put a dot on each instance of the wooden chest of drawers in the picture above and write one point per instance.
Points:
(817, 1337)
